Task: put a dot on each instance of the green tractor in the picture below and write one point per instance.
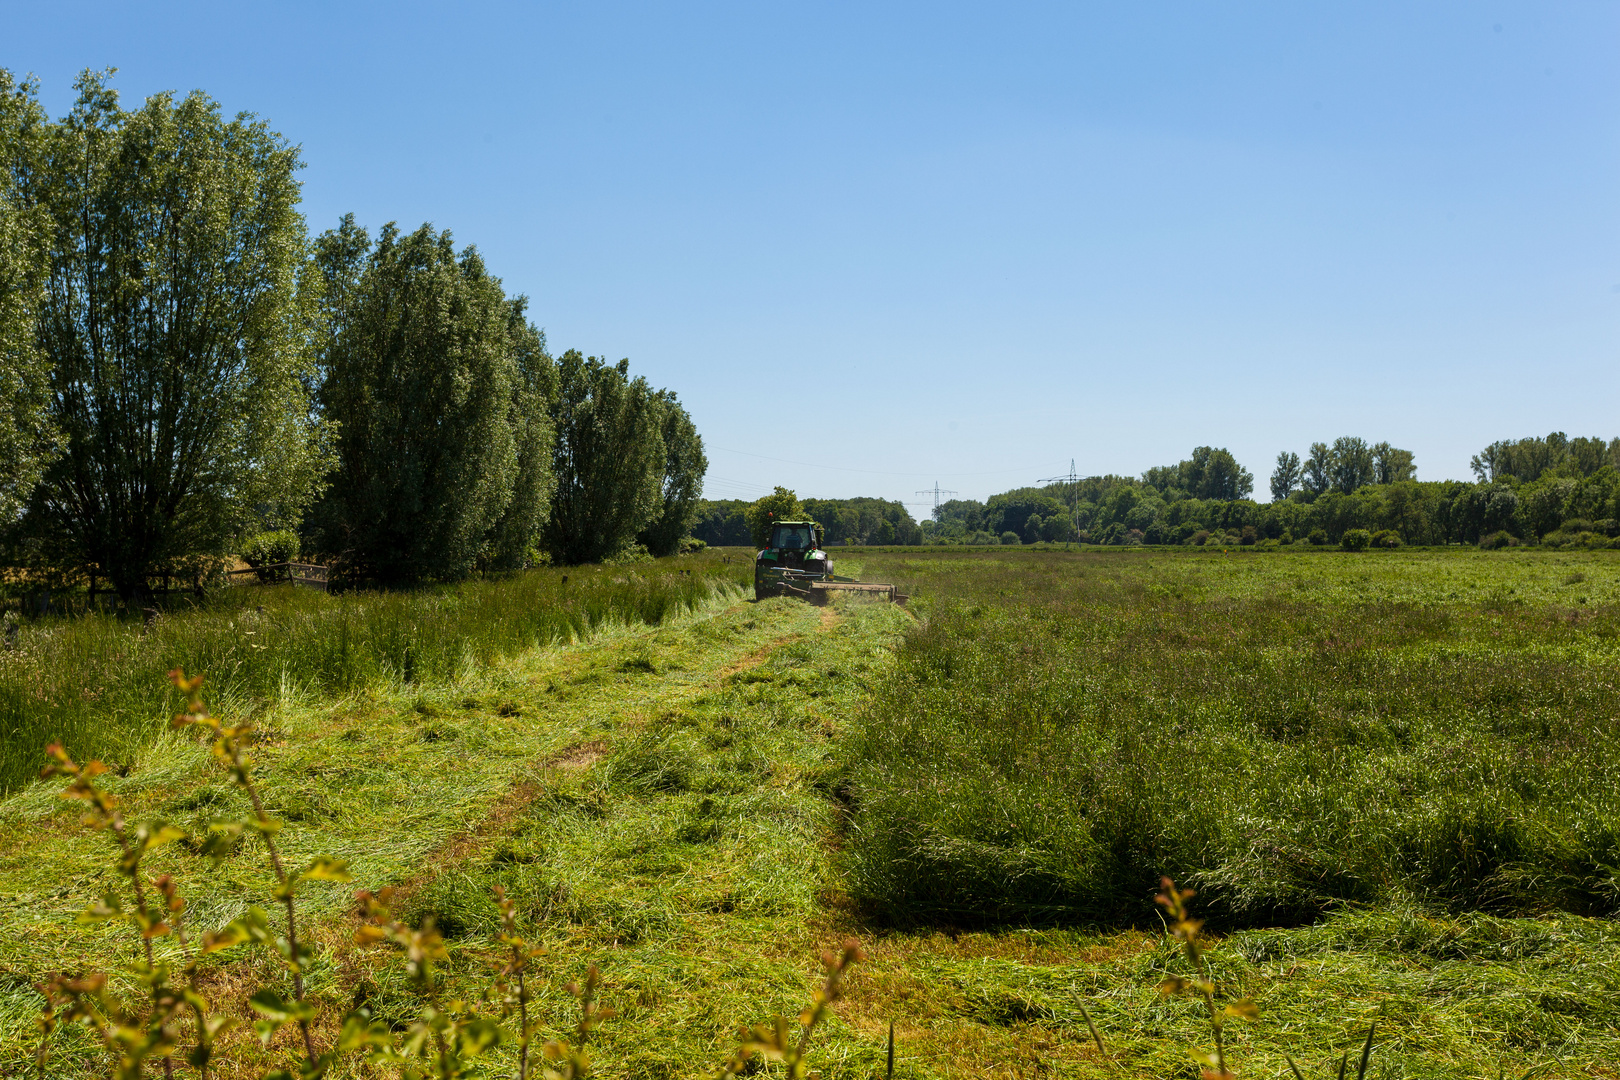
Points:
(795, 564)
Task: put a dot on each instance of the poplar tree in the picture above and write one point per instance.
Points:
(421, 374)
(681, 488)
(609, 459)
(514, 538)
(176, 333)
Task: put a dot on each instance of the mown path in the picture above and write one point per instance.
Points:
(419, 788)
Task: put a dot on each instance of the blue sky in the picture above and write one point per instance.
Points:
(873, 246)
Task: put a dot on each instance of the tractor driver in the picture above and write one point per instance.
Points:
(795, 538)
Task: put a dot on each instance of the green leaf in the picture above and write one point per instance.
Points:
(360, 1031)
(104, 910)
(271, 1006)
(253, 925)
(327, 869)
(277, 1009)
(479, 1035)
(222, 840)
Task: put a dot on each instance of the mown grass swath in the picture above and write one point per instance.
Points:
(1285, 735)
(94, 683)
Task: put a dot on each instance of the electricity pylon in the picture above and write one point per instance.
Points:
(936, 491)
(1073, 482)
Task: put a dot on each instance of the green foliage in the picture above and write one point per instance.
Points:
(276, 546)
(27, 439)
(855, 521)
(682, 485)
(722, 523)
(865, 520)
(1356, 540)
(513, 541)
(1286, 477)
(610, 459)
(779, 505)
(1211, 473)
(175, 321)
(1392, 465)
(422, 377)
(1010, 538)
(1525, 460)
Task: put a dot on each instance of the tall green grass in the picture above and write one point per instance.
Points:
(1289, 735)
(96, 683)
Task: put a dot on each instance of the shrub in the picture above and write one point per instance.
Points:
(1356, 540)
(629, 555)
(1499, 539)
(1386, 538)
(269, 548)
(1009, 537)
(691, 545)
(1249, 535)
(1318, 537)
(1200, 538)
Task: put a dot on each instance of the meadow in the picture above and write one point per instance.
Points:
(1386, 773)
(1288, 733)
(95, 682)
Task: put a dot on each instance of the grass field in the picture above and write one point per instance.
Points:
(96, 683)
(983, 791)
(1288, 733)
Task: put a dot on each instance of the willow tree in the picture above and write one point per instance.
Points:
(609, 459)
(176, 333)
(681, 487)
(435, 413)
(26, 435)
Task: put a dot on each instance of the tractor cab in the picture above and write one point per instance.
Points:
(795, 536)
(791, 560)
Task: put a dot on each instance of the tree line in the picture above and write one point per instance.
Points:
(1553, 490)
(845, 521)
(184, 367)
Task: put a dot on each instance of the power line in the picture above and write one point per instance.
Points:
(845, 468)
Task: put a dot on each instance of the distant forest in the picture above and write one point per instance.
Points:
(1552, 490)
(847, 521)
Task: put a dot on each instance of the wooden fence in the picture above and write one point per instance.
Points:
(309, 575)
